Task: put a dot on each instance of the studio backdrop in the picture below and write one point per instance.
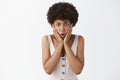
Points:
(24, 22)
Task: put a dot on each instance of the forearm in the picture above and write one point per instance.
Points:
(73, 60)
(53, 60)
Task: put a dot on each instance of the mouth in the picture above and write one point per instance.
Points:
(62, 35)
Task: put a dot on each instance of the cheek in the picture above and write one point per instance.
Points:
(66, 29)
(56, 28)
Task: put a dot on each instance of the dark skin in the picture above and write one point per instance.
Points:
(68, 39)
(63, 50)
(62, 45)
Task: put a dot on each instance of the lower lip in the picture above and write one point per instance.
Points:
(63, 35)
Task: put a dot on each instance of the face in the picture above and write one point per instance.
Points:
(62, 27)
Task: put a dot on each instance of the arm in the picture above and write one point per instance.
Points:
(76, 62)
(50, 61)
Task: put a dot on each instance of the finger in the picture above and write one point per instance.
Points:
(70, 26)
(56, 34)
(54, 30)
(70, 30)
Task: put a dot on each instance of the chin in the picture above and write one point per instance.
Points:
(62, 36)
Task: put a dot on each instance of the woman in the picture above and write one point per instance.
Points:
(62, 51)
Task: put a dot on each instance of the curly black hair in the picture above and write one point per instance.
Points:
(62, 10)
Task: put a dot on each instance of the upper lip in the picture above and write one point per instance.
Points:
(62, 34)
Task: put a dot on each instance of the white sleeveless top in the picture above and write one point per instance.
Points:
(63, 70)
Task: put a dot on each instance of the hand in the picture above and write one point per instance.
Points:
(57, 36)
(68, 35)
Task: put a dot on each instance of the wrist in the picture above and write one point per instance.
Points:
(66, 44)
(60, 44)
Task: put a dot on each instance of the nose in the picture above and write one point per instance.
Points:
(62, 28)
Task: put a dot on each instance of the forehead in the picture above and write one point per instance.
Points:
(61, 21)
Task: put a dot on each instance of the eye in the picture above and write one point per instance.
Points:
(58, 24)
(66, 24)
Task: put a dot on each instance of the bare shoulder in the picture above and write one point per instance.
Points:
(80, 39)
(45, 40)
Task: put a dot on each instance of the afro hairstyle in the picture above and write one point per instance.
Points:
(62, 10)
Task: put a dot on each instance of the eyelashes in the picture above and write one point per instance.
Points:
(62, 24)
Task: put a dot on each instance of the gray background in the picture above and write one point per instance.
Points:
(23, 24)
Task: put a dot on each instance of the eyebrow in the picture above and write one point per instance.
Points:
(63, 22)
